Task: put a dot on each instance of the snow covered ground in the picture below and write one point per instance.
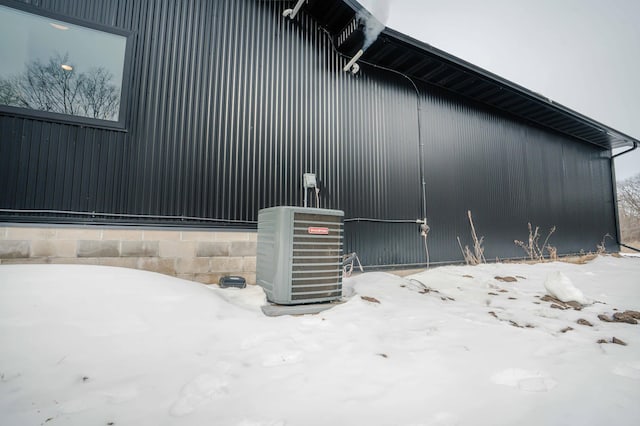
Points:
(88, 345)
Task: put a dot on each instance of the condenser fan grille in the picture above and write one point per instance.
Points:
(317, 257)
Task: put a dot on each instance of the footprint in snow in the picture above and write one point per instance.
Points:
(551, 350)
(119, 395)
(256, 340)
(630, 370)
(91, 400)
(283, 358)
(261, 423)
(199, 391)
(525, 380)
(78, 405)
(442, 418)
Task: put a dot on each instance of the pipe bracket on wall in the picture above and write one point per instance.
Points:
(291, 13)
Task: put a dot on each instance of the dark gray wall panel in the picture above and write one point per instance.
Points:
(230, 104)
(385, 244)
(509, 174)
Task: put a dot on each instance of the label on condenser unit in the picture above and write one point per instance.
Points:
(314, 230)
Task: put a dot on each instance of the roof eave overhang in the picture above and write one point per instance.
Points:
(425, 63)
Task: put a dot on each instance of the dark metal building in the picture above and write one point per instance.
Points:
(225, 104)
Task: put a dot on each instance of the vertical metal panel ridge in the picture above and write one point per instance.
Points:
(184, 201)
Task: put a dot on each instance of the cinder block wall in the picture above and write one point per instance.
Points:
(202, 256)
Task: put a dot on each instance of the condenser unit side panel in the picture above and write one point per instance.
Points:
(273, 263)
(282, 280)
(267, 247)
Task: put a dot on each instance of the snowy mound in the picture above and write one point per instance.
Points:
(91, 345)
(560, 286)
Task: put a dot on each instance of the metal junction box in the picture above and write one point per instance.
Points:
(299, 257)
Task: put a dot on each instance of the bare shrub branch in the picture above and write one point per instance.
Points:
(532, 247)
(601, 248)
(476, 256)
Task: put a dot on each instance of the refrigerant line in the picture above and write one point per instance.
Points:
(424, 226)
(126, 215)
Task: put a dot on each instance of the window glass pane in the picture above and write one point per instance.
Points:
(55, 66)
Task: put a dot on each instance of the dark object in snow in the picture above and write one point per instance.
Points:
(232, 281)
(370, 299)
(624, 317)
(560, 304)
(467, 276)
(575, 305)
(513, 298)
(628, 317)
(423, 288)
(85, 378)
(564, 330)
(614, 340)
(521, 277)
(502, 290)
(618, 341)
(603, 317)
(492, 294)
(506, 279)
(383, 355)
(582, 321)
(511, 322)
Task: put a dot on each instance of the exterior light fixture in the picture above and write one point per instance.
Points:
(58, 26)
(66, 67)
(351, 65)
(291, 13)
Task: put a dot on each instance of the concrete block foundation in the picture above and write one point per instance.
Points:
(198, 255)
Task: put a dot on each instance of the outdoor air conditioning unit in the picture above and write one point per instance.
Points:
(300, 254)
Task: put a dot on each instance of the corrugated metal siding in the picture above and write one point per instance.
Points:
(230, 104)
(509, 174)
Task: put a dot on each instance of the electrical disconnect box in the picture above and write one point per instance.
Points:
(299, 258)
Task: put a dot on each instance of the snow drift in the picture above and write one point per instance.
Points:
(452, 346)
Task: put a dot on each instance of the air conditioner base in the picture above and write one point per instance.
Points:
(273, 310)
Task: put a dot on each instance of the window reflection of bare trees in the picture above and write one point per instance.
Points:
(629, 209)
(47, 86)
